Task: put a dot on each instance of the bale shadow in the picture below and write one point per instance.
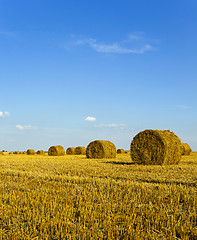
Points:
(120, 163)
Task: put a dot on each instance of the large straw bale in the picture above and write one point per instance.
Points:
(120, 150)
(80, 150)
(156, 147)
(101, 149)
(56, 151)
(1, 153)
(186, 149)
(31, 152)
(40, 152)
(70, 151)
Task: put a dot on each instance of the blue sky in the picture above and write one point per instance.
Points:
(75, 71)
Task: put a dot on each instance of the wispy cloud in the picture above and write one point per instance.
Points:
(27, 127)
(110, 125)
(4, 114)
(90, 119)
(183, 106)
(133, 44)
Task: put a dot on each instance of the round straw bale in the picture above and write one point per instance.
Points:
(40, 152)
(156, 147)
(16, 152)
(80, 150)
(1, 153)
(120, 150)
(70, 151)
(30, 152)
(101, 149)
(56, 151)
(186, 150)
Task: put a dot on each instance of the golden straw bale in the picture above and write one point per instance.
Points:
(31, 152)
(186, 150)
(16, 152)
(80, 150)
(1, 153)
(56, 151)
(120, 150)
(101, 149)
(10, 153)
(70, 151)
(40, 152)
(156, 147)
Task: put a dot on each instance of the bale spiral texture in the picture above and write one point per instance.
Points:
(56, 151)
(70, 151)
(30, 152)
(186, 150)
(156, 147)
(80, 151)
(101, 149)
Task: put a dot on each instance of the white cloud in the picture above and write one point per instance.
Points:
(27, 127)
(4, 114)
(111, 125)
(134, 44)
(90, 119)
(134, 36)
(183, 106)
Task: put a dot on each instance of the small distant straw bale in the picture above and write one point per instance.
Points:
(186, 150)
(31, 152)
(120, 150)
(40, 152)
(70, 151)
(156, 147)
(16, 152)
(101, 149)
(56, 151)
(80, 150)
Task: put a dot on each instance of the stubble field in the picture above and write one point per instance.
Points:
(72, 197)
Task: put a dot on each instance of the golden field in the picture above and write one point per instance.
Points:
(72, 197)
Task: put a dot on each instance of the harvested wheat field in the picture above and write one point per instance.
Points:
(72, 197)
